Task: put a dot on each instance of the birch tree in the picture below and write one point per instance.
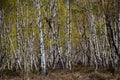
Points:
(41, 42)
(1, 18)
(68, 26)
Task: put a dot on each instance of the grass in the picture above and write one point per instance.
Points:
(77, 73)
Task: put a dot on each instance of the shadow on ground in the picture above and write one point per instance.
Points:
(79, 73)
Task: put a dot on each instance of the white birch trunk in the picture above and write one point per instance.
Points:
(41, 42)
(68, 53)
(18, 39)
(119, 32)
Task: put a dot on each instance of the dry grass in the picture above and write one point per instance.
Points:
(78, 73)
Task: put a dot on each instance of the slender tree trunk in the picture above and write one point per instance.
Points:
(68, 51)
(41, 42)
(0, 26)
(53, 31)
(18, 39)
(1, 18)
(119, 25)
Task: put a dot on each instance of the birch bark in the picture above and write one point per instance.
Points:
(18, 39)
(68, 51)
(41, 42)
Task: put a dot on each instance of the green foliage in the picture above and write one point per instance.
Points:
(79, 17)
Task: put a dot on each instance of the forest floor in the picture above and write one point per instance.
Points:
(79, 73)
